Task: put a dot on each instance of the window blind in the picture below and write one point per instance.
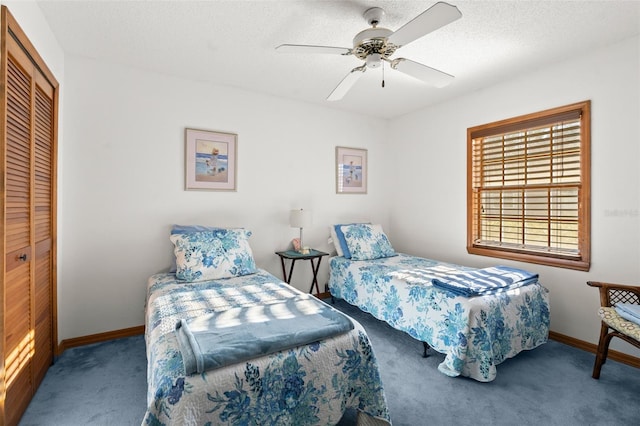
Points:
(526, 184)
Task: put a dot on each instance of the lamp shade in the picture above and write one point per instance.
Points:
(300, 218)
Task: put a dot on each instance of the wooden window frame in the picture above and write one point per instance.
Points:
(578, 258)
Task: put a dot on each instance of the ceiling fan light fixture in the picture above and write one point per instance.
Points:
(374, 60)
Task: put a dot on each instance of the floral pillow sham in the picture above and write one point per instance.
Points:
(214, 254)
(367, 242)
(185, 229)
(339, 241)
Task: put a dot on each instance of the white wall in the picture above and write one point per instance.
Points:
(428, 217)
(124, 182)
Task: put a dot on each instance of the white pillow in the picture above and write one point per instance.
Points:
(336, 242)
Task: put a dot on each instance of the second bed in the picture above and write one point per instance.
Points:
(475, 333)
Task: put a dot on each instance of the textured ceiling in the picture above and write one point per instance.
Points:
(233, 43)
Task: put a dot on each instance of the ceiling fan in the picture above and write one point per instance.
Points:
(375, 45)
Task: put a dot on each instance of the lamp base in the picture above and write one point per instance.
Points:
(302, 247)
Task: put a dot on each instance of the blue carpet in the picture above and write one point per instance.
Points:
(105, 384)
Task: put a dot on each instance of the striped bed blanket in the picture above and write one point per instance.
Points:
(479, 282)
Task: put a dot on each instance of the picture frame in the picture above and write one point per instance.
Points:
(351, 170)
(210, 160)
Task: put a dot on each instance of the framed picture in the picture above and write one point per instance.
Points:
(210, 160)
(351, 170)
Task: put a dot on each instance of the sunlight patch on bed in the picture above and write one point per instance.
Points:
(260, 314)
(422, 276)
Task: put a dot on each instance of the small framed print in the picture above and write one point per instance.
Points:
(210, 160)
(296, 244)
(351, 170)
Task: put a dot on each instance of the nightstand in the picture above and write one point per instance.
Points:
(311, 256)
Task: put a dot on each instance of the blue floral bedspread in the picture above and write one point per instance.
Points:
(307, 385)
(475, 333)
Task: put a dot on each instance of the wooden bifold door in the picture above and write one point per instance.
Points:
(29, 115)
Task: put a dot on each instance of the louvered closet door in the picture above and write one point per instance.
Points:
(19, 333)
(42, 229)
(28, 345)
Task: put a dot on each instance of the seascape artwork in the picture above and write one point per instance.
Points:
(352, 171)
(212, 161)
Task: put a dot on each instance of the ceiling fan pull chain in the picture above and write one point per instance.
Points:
(383, 75)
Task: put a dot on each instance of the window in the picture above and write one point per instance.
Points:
(528, 188)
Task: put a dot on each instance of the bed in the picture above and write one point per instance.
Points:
(310, 384)
(475, 333)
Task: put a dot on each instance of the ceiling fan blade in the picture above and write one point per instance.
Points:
(428, 75)
(346, 83)
(437, 16)
(305, 48)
